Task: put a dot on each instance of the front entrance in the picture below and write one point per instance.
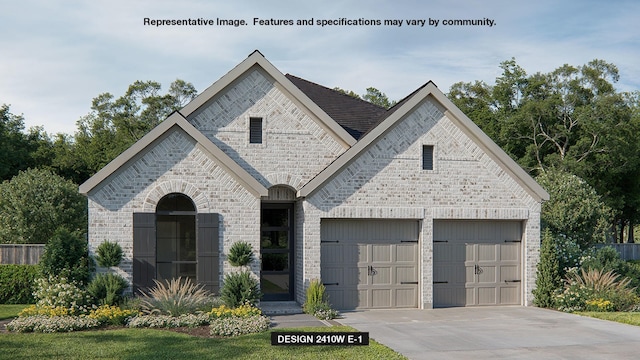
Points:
(276, 251)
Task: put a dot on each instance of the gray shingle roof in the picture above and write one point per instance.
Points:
(356, 116)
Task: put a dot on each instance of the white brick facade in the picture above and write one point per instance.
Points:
(383, 181)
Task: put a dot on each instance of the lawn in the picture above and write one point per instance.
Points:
(163, 344)
(10, 311)
(632, 318)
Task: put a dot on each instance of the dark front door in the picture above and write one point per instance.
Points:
(276, 251)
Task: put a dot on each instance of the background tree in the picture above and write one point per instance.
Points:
(571, 118)
(14, 144)
(35, 203)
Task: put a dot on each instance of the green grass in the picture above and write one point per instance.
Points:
(161, 344)
(632, 318)
(10, 311)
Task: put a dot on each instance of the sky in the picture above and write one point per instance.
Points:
(57, 55)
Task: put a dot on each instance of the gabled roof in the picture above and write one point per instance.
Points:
(257, 59)
(176, 120)
(403, 108)
(354, 115)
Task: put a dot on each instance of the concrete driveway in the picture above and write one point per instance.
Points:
(496, 333)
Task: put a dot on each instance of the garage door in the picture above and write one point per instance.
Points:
(368, 264)
(476, 263)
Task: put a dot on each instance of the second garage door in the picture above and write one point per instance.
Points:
(476, 263)
(368, 264)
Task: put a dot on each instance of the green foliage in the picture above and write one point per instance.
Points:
(15, 145)
(571, 118)
(574, 210)
(54, 292)
(548, 273)
(240, 288)
(175, 297)
(35, 203)
(606, 259)
(17, 283)
(109, 254)
(67, 255)
(107, 289)
(596, 289)
(240, 254)
(373, 96)
(317, 303)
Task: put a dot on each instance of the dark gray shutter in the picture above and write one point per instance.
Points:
(427, 157)
(255, 130)
(208, 252)
(144, 250)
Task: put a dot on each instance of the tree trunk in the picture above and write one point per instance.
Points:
(614, 232)
(630, 237)
(622, 231)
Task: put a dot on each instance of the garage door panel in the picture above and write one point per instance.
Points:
(385, 260)
(382, 276)
(491, 264)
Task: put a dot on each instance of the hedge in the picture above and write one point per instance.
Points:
(17, 283)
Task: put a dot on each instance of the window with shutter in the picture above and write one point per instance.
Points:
(427, 157)
(255, 130)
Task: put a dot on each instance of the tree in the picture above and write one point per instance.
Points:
(571, 118)
(574, 210)
(67, 255)
(115, 124)
(35, 203)
(548, 278)
(14, 144)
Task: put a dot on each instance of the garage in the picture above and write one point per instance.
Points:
(477, 263)
(370, 264)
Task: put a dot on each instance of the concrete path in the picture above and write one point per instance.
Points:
(497, 333)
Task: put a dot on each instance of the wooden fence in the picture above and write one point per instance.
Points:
(626, 251)
(21, 253)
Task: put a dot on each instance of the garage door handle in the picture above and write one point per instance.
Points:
(440, 282)
(512, 281)
(408, 283)
(326, 284)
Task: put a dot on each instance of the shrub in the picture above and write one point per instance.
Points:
(234, 326)
(175, 297)
(240, 288)
(590, 287)
(111, 315)
(46, 324)
(242, 311)
(167, 321)
(317, 303)
(607, 258)
(107, 289)
(240, 254)
(109, 254)
(17, 283)
(548, 278)
(67, 255)
(61, 292)
(35, 203)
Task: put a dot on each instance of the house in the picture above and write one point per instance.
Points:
(411, 207)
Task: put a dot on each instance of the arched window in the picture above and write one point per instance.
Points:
(176, 238)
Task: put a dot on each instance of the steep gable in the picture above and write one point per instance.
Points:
(405, 108)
